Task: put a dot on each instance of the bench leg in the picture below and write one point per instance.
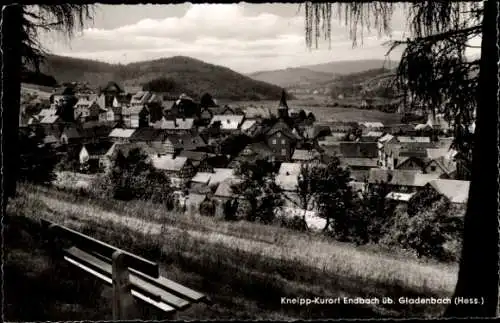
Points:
(123, 301)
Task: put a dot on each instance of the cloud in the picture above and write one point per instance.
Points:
(220, 34)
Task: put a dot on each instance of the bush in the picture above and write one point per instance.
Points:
(296, 222)
(432, 232)
(134, 178)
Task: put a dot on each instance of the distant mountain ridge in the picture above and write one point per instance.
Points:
(184, 74)
(310, 76)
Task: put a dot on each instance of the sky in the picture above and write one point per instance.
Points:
(244, 37)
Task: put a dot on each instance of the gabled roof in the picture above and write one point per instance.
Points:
(376, 134)
(49, 119)
(224, 189)
(255, 112)
(404, 197)
(350, 149)
(169, 162)
(147, 134)
(404, 139)
(305, 155)
(178, 124)
(133, 109)
(202, 178)
(247, 124)
(110, 86)
(447, 164)
(97, 149)
(385, 138)
(194, 155)
(186, 142)
(228, 122)
(126, 148)
(72, 132)
(282, 127)
(456, 191)
(359, 162)
(121, 133)
(372, 124)
(288, 176)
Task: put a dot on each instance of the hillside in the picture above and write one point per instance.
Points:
(187, 75)
(292, 77)
(350, 67)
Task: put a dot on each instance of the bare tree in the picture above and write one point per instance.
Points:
(435, 72)
(21, 49)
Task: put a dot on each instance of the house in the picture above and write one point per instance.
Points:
(251, 152)
(141, 98)
(403, 181)
(121, 135)
(148, 135)
(86, 110)
(332, 139)
(184, 107)
(94, 133)
(443, 166)
(406, 139)
(411, 163)
(185, 142)
(457, 192)
(111, 89)
(200, 160)
(179, 169)
(135, 117)
(281, 140)
(316, 131)
(359, 167)
(71, 135)
(224, 193)
(228, 122)
(250, 128)
(94, 154)
(370, 126)
(339, 126)
(111, 114)
(207, 181)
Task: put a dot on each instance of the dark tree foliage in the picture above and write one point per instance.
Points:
(162, 84)
(37, 160)
(422, 200)
(258, 190)
(133, 177)
(21, 49)
(334, 198)
(435, 73)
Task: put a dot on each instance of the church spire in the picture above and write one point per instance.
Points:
(283, 104)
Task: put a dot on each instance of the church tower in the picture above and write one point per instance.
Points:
(283, 106)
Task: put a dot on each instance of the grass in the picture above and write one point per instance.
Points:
(247, 267)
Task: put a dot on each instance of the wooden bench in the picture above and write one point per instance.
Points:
(128, 274)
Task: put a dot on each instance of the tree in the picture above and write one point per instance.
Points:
(334, 197)
(20, 48)
(434, 71)
(133, 177)
(257, 189)
(37, 160)
(307, 188)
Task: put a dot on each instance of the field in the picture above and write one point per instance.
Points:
(246, 267)
(324, 113)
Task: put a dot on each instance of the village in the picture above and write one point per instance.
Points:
(199, 144)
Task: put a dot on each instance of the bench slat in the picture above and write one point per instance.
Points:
(156, 293)
(163, 306)
(164, 283)
(145, 266)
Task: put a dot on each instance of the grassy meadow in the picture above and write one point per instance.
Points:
(247, 267)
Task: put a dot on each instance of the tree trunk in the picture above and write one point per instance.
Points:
(11, 92)
(478, 273)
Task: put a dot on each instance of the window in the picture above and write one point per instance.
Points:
(433, 168)
(283, 152)
(274, 141)
(283, 141)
